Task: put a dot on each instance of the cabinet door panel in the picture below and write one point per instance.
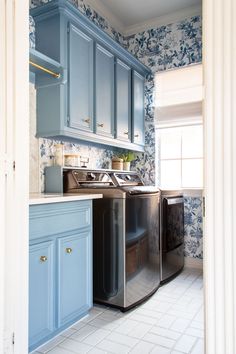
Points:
(74, 272)
(104, 92)
(41, 285)
(138, 109)
(80, 80)
(123, 101)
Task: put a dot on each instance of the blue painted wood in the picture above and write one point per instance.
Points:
(57, 106)
(42, 78)
(56, 7)
(104, 95)
(74, 276)
(80, 79)
(60, 286)
(123, 101)
(137, 108)
(41, 292)
(55, 218)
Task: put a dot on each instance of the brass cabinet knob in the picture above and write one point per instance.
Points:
(68, 250)
(136, 135)
(126, 133)
(43, 258)
(87, 120)
(101, 125)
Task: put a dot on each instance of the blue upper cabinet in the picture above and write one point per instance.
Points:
(93, 99)
(123, 101)
(137, 108)
(80, 79)
(104, 98)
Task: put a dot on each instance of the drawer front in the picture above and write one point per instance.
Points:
(74, 276)
(41, 291)
(56, 218)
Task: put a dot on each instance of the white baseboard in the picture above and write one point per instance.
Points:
(196, 263)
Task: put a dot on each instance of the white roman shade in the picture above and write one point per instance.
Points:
(178, 96)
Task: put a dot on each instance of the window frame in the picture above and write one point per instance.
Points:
(181, 159)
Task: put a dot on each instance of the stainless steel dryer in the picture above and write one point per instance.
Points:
(126, 257)
(172, 234)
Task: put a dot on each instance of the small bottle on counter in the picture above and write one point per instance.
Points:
(58, 161)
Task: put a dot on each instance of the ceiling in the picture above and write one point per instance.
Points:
(128, 15)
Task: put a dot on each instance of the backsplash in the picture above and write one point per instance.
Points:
(161, 48)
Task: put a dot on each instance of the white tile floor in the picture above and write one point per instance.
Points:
(170, 322)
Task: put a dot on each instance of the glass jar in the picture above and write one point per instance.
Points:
(71, 160)
(58, 155)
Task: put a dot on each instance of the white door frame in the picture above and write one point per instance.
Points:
(219, 35)
(14, 147)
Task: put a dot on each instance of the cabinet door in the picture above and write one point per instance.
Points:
(74, 276)
(41, 297)
(123, 101)
(80, 80)
(104, 92)
(138, 108)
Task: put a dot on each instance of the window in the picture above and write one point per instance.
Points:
(180, 157)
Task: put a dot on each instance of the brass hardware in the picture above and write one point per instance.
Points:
(43, 258)
(101, 125)
(126, 133)
(68, 250)
(87, 120)
(136, 135)
(50, 72)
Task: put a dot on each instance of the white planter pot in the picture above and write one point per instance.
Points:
(126, 166)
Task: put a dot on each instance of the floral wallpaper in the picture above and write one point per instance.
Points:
(167, 47)
(31, 32)
(193, 227)
(161, 48)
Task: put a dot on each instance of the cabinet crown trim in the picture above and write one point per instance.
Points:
(102, 37)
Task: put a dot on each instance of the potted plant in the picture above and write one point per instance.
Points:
(127, 158)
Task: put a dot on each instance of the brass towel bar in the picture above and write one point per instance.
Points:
(50, 72)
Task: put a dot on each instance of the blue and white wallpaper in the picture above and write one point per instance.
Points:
(161, 48)
(193, 227)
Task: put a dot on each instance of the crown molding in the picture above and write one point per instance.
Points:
(145, 25)
(163, 20)
(107, 14)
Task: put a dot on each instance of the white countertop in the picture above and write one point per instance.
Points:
(44, 198)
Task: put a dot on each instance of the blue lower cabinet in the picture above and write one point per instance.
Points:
(60, 268)
(41, 291)
(74, 277)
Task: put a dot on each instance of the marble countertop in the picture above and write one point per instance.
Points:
(44, 198)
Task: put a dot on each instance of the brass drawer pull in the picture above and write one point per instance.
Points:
(43, 258)
(126, 133)
(68, 250)
(87, 120)
(136, 135)
(101, 125)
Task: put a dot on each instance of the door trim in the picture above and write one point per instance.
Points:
(14, 141)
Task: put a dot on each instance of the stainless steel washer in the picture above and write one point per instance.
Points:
(126, 228)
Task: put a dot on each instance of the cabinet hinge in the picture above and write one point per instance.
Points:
(13, 338)
(204, 207)
(68, 28)
(68, 120)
